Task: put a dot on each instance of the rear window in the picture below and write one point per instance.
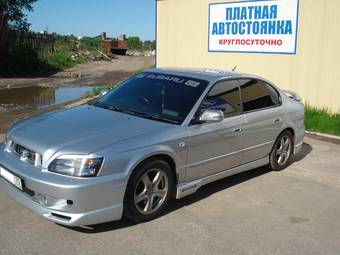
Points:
(257, 95)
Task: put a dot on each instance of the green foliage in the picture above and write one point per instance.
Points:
(134, 43)
(21, 59)
(112, 85)
(149, 45)
(14, 10)
(87, 94)
(24, 60)
(321, 120)
(59, 61)
(65, 43)
(93, 45)
(96, 91)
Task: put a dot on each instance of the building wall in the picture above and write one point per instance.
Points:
(314, 72)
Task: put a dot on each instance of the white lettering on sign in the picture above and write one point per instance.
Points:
(254, 26)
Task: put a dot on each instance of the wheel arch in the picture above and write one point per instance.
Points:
(290, 129)
(128, 210)
(161, 155)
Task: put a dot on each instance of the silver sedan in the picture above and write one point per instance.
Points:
(161, 134)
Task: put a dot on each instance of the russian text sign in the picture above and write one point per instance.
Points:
(265, 26)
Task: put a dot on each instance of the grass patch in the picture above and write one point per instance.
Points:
(321, 120)
(97, 90)
(112, 85)
(59, 60)
(94, 92)
(25, 60)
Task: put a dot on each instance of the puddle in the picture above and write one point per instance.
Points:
(39, 97)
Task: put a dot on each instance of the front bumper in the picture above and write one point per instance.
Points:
(70, 201)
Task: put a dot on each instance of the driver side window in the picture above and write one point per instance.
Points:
(224, 96)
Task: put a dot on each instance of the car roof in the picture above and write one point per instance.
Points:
(207, 74)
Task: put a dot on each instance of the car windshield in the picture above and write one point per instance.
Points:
(161, 97)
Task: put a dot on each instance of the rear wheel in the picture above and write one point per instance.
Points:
(148, 191)
(282, 151)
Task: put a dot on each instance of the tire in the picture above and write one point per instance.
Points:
(282, 151)
(146, 195)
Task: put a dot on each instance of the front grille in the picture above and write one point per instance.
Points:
(24, 154)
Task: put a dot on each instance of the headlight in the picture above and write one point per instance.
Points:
(7, 143)
(75, 165)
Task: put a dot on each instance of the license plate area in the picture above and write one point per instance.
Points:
(11, 178)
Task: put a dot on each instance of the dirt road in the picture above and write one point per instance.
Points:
(93, 72)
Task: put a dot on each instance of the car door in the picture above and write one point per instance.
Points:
(214, 147)
(263, 118)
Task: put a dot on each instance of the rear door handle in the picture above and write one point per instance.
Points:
(237, 130)
(278, 120)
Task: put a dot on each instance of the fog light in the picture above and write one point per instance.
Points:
(52, 202)
(42, 199)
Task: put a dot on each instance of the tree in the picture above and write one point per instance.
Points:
(12, 13)
(134, 43)
(149, 45)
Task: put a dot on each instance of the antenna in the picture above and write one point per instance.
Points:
(234, 69)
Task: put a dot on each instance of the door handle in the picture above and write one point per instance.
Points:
(237, 130)
(278, 120)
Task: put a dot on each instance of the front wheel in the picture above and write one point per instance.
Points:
(282, 151)
(148, 191)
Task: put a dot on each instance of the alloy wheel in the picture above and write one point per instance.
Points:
(151, 191)
(283, 150)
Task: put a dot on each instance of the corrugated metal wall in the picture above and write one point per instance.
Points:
(314, 72)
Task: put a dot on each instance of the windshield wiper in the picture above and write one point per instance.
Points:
(151, 116)
(98, 104)
(136, 113)
(159, 118)
(115, 108)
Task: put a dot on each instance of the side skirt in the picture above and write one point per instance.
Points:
(297, 148)
(185, 189)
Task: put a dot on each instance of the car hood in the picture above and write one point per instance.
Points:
(80, 130)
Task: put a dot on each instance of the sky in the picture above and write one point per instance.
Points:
(92, 17)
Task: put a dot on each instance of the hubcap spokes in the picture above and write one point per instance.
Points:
(283, 150)
(151, 191)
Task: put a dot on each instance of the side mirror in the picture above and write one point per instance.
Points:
(103, 92)
(211, 116)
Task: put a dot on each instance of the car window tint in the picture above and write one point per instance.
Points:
(224, 96)
(255, 95)
(164, 95)
(275, 96)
